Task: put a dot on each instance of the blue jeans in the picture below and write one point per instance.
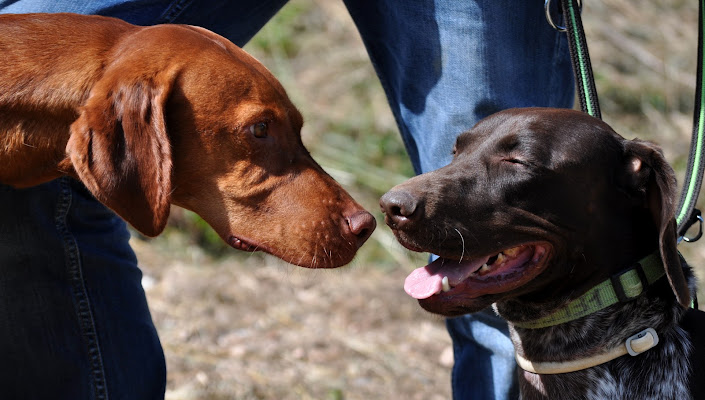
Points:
(74, 322)
(443, 64)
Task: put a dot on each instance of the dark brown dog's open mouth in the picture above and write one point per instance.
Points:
(495, 273)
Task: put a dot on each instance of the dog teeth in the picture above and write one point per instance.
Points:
(538, 254)
(446, 285)
(500, 258)
(485, 268)
(513, 251)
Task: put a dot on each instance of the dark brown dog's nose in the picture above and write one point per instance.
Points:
(361, 224)
(399, 207)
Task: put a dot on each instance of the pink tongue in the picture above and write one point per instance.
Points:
(420, 284)
(426, 281)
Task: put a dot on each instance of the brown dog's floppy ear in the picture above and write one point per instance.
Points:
(650, 173)
(120, 149)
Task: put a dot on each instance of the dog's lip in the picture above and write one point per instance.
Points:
(404, 241)
(243, 244)
(507, 270)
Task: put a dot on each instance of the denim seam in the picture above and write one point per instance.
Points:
(80, 294)
(457, 346)
(173, 11)
(395, 106)
(560, 50)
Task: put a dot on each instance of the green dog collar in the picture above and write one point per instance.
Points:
(623, 286)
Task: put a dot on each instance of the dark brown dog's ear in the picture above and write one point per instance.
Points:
(650, 174)
(120, 149)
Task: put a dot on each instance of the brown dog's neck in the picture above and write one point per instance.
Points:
(585, 260)
(36, 113)
(33, 150)
(602, 329)
(42, 88)
(595, 334)
(540, 330)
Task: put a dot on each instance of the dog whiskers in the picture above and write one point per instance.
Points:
(463, 243)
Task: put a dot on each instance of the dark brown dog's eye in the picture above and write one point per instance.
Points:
(515, 161)
(259, 129)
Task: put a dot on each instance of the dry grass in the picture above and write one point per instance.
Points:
(644, 55)
(265, 330)
(248, 327)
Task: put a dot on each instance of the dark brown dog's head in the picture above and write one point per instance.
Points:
(180, 115)
(537, 205)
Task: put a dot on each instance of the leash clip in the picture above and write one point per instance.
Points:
(549, 18)
(642, 341)
(699, 218)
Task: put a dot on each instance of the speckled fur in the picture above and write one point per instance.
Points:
(659, 374)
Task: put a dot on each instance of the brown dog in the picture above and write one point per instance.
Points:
(152, 116)
(538, 208)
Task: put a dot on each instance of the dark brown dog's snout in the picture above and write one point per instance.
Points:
(399, 207)
(361, 224)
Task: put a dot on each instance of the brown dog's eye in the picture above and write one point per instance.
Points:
(259, 129)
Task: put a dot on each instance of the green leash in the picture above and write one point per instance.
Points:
(577, 44)
(686, 214)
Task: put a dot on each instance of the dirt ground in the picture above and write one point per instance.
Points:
(259, 329)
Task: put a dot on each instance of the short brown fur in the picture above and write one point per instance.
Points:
(146, 117)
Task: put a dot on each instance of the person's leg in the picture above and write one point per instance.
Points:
(484, 365)
(74, 318)
(74, 321)
(238, 20)
(444, 65)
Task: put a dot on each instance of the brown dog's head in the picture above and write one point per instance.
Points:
(183, 116)
(537, 205)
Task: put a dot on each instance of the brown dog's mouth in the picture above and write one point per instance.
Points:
(241, 244)
(492, 274)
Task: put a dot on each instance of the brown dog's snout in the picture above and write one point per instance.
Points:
(361, 224)
(399, 207)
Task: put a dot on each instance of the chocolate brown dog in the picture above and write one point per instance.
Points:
(146, 117)
(546, 214)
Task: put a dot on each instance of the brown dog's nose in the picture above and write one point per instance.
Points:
(361, 224)
(399, 207)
